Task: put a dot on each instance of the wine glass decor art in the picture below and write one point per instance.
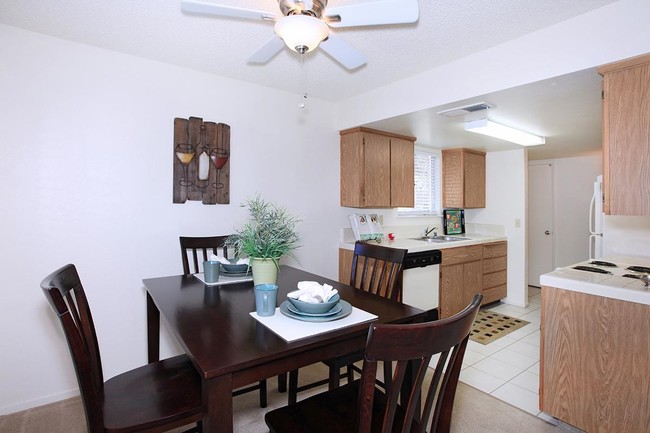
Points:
(201, 161)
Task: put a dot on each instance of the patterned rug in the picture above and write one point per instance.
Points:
(490, 326)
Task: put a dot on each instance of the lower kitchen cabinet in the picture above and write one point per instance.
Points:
(495, 271)
(345, 265)
(594, 369)
(464, 272)
(461, 277)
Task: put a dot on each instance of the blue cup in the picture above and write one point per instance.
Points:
(265, 299)
(211, 271)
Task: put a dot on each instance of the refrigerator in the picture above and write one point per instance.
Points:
(596, 221)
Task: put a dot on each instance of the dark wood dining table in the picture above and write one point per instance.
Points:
(230, 349)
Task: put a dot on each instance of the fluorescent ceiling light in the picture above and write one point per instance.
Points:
(496, 130)
(301, 33)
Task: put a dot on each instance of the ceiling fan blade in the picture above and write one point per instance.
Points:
(267, 51)
(343, 52)
(373, 13)
(207, 8)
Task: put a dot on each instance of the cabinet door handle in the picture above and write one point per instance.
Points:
(547, 233)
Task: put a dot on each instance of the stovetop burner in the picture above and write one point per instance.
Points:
(639, 269)
(601, 263)
(591, 269)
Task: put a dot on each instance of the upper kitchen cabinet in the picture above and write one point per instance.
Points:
(626, 136)
(376, 169)
(463, 178)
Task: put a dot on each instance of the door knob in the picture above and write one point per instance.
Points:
(547, 232)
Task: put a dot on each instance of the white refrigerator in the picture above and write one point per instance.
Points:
(596, 221)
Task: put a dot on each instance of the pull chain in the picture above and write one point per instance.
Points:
(303, 98)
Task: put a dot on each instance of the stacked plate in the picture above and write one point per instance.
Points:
(233, 269)
(334, 309)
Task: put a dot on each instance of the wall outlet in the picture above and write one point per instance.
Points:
(517, 223)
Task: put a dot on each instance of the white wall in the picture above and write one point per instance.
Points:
(626, 235)
(87, 179)
(574, 187)
(505, 174)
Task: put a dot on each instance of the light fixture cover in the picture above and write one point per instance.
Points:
(497, 130)
(299, 31)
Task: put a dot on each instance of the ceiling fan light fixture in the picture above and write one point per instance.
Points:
(503, 132)
(301, 33)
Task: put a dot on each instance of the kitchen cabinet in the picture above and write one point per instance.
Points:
(345, 265)
(377, 169)
(461, 278)
(495, 271)
(463, 178)
(626, 136)
(594, 370)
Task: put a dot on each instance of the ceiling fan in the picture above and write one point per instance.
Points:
(305, 24)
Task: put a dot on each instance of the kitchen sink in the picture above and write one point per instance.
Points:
(441, 239)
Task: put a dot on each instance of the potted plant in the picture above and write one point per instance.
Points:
(268, 236)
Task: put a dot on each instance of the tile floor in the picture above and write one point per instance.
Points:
(508, 368)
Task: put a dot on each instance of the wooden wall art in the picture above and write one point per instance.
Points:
(201, 155)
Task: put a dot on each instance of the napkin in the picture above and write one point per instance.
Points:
(225, 261)
(313, 292)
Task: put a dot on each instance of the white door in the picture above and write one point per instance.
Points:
(540, 221)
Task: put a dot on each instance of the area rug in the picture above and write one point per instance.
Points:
(489, 326)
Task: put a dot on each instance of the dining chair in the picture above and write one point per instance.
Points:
(157, 397)
(199, 249)
(375, 269)
(361, 407)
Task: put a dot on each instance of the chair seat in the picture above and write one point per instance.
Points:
(328, 412)
(164, 393)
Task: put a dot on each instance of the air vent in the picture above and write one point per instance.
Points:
(466, 109)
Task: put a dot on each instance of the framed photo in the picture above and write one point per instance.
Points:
(454, 221)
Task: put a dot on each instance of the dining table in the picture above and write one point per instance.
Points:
(230, 348)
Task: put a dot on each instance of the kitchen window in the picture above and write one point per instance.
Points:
(427, 184)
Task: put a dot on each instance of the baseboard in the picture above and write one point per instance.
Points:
(41, 401)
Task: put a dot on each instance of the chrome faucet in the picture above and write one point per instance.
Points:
(429, 230)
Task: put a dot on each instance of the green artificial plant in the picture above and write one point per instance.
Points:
(269, 234)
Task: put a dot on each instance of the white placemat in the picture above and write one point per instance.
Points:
(225, 279)
(292, 329)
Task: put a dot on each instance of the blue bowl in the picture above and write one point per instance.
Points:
(315, 308)
(235, 269)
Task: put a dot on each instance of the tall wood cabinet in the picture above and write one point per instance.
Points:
(377, 169)
(463, 178)
(626, 136)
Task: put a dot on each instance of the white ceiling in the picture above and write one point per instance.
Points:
(446, 30)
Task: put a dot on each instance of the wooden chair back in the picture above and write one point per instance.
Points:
(199, 250)
(378, 269)
(416, 343)
(66, 295)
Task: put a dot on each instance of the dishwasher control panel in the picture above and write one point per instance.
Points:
(422, 259)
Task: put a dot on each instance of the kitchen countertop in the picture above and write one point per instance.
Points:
(414, 245)
(610, 286)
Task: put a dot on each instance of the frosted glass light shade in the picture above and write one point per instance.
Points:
(301, 33)
(502, 132)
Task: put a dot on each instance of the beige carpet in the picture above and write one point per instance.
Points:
(474, 412)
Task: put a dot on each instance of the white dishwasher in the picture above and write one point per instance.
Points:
(420, 285)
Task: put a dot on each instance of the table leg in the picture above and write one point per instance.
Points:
(153, 331)
(217, 405)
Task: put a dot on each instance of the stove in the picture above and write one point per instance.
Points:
(610, 268)
(618, 277)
